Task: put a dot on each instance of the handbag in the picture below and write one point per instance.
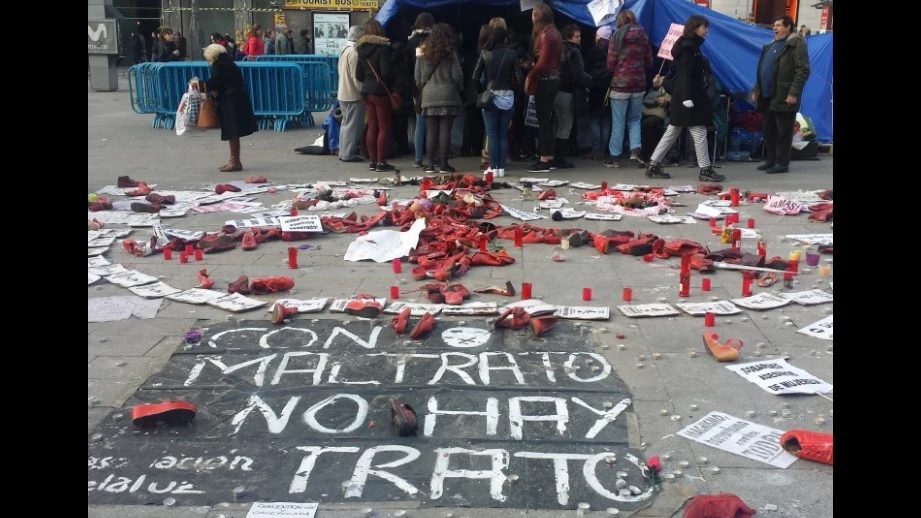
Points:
(485, 98)
(417, 97)
(208, 116)
(395, 100)
(668, 82)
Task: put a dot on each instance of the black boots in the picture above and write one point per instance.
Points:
(559, 155)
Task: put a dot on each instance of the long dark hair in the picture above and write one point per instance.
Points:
(694, 22)
(439, 45)
(373, 28)
(544, 18)
(424, 21)
(485, 40)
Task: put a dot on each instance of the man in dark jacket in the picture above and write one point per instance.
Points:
(781, 75)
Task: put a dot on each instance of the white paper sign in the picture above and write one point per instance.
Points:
(91, 278)
(585, 186)
(300, 224)
(94, 262)
(762, 301)
(154, 291)
(289, 509)
(802, 196)
(99, 250)
(721, 307)
(186, 235)
(821, 329)
(100, 241)
(532, 307)
(667, 219)
(109, 269)
(779, 377)
(236, 303)
(303, 306)
(809, 298)
(604, 11)
(522, 215)
(254, 222)
(553, 204)
(130, 278)
(594, 216)
(530, 114)
(415, 309)
(675, 31)
(812, 239)
(108, 309)
(385, 245)
(708, 211)
(743, 438)
(472, 308)
(782, 206)
(648, 310)
(583, 312)
(196, 296)
(551, 183)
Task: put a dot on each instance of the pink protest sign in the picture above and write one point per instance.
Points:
(665, 49)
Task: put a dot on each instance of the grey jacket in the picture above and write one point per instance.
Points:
(443, 82)
(282, 44)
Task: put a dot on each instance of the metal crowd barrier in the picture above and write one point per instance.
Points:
(332, 61)
(280, 92)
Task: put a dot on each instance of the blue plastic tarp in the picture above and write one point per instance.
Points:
(733, 47)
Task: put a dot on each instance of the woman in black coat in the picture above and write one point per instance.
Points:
(234, 107)
(691, 107)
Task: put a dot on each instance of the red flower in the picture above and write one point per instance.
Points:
(654, 464)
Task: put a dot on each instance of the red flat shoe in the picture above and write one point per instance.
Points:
(423, 326)
(363, 305)
(175, 413)
(399, 322)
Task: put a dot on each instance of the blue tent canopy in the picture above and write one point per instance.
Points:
(733, 47)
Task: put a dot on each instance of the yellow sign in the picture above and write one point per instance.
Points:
(279, 18)
(333, 4)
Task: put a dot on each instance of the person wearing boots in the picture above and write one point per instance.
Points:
(439, 77)
(234, 107)
(691, 106)
(782, 73)
(375, 72)
(543, 81)
(572, 78)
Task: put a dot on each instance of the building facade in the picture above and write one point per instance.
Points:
(763, 12)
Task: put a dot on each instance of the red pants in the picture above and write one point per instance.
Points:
(379, 123)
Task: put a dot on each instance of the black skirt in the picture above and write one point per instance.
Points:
(237, 118)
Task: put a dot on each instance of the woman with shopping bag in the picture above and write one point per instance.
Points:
(233, 105)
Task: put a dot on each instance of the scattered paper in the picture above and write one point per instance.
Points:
(185, 235)
(109, 269)
(303, 306)
(743, 438)
(802, 196)
(809, 298)
(762, 301)
(385, 245)
(472, 308)
(363, 180)
(110, 309)
(708, 211)
(683, 188)
(779, 377)
(416, 310)
(522, 215)
(214, 206)
(585, 186)
(812, 239)
(667, 219)
(551, 183)
(583, 312)
(648, 310)
(130, 278)
(153, 291)
(552, 204)
(100, 242)
(821, 329)
(300, 224)
(338, 305)
(176, 211)
(94, 262)
(532, 307)
(782, 206)
(288, 509)
(111, 190)
(91, 278)
(255, 222)
(196, 296)
(702, 308)
(594, 216)
(96, 251)
(236, 303)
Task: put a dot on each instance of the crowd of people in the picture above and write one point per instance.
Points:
(524, 95)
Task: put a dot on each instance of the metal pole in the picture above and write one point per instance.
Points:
(194, 34)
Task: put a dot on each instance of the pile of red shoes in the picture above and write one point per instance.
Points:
(260, 285)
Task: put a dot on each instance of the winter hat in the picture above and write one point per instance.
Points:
(604, 32)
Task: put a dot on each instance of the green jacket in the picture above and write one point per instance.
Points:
(790, 74)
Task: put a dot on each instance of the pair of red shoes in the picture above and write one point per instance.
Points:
(424, 326)
(260, 285)
(450, 293)
(518, 318)
(364, 305)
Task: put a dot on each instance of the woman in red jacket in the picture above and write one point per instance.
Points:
(543, 81)
(254, 44)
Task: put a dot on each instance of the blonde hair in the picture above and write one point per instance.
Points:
(497, 22)
(213, 51)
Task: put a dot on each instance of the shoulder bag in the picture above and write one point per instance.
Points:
(418, 95)
(208, 115)
(485, 98)
(395, 100)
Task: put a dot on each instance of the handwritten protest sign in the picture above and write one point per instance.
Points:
(779, 377)
(290, 509)
(665, 49)
(782, 206)
(744, 438)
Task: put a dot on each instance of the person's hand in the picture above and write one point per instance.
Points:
(657, 81)
(175, 52)
(754, 96)
(661, 101)
(688, 104)
(791, 100)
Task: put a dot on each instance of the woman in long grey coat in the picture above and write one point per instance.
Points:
(234, 107)
(439, 76)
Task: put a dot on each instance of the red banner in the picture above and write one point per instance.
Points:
(823, 20)
(703, 3)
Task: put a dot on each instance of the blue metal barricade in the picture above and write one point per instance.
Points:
(332, 61)
(277, 90)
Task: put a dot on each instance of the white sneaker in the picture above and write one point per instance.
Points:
(502, 173)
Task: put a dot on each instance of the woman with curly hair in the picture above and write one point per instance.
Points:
(439, 77)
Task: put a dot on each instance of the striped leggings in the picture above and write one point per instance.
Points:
(698, 134)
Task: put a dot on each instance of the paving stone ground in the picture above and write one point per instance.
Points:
(123, 355)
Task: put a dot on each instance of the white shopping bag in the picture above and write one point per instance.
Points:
(187, 114)
(530, 117)
(180, 115)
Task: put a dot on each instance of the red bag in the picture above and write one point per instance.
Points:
(808, 445)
